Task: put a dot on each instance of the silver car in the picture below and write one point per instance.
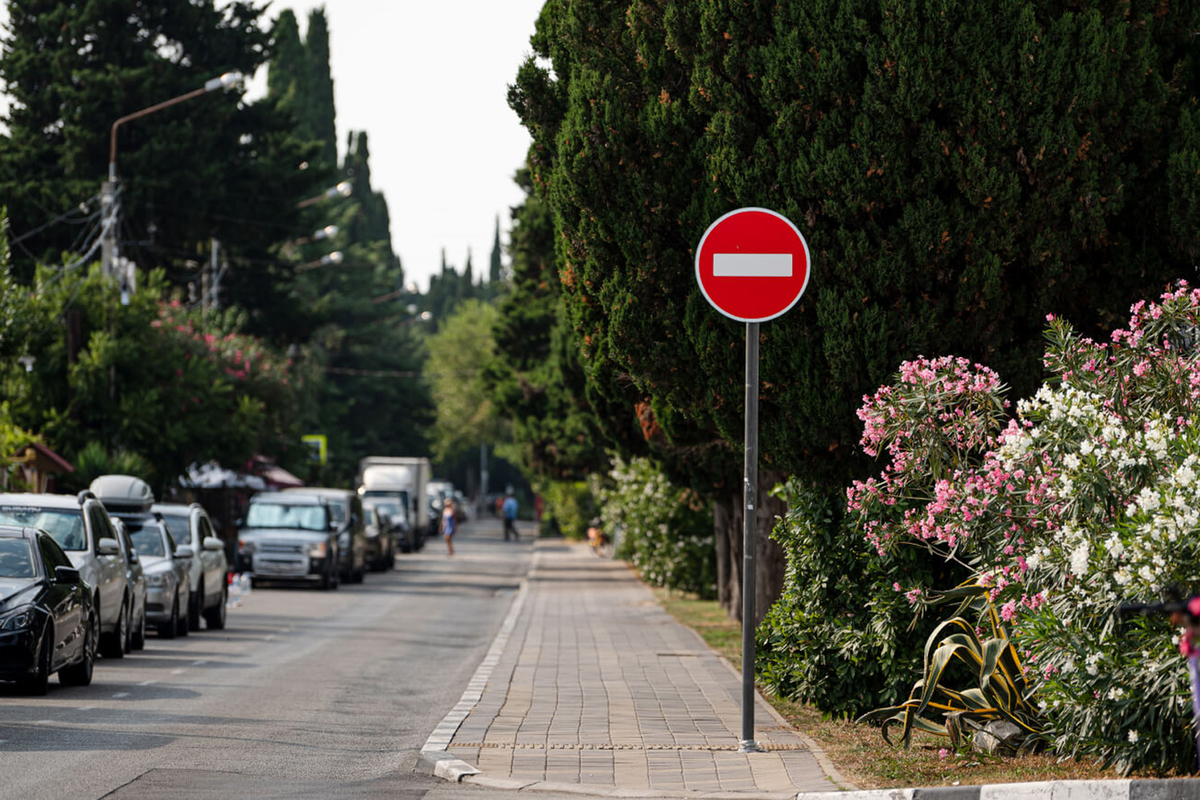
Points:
(168, 589)
(82, 528)
(208, 569)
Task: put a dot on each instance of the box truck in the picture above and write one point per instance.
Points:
(402, 479)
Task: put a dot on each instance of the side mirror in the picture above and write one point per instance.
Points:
(184, 551)
(68, 575)
(133, 557)
(108, 547)
(212, 543)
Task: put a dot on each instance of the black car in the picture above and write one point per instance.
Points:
(47, 623)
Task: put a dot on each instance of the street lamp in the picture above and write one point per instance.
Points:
(335, 257)
(343, 189)
(108, 196)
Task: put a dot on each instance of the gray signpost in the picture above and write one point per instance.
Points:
(752, 265)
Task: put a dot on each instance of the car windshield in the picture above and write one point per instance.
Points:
(147, 538)
(179, 527)
(280, 515)
(16, 559)
(391, 509)
(337, 510)
(64, 524)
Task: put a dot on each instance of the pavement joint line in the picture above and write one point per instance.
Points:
(433, 753)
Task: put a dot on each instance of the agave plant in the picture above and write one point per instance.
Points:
(1002, 693)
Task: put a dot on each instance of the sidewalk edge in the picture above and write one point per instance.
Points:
(434, 759)
(831, 772)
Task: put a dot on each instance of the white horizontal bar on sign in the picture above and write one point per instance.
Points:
(752, 265)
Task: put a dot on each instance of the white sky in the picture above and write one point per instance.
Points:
(428, 82)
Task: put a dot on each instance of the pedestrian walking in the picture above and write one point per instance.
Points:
(449, 525)
(510, 516)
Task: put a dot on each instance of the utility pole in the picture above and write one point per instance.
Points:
(108, 222)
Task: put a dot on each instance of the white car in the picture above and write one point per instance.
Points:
(168, 590)
(209, 568)
(83, 530)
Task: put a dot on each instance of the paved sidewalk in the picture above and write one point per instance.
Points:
(591, 685)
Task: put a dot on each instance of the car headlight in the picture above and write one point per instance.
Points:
(245, 548)
(157, 579)
(15, 620)
(318, 550)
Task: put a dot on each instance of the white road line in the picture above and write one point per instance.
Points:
(198, 663)
(85, 708)
(44, 722)
(121, 694)
(268, 637)
(177, 672)
(752, 265)
(147, 683)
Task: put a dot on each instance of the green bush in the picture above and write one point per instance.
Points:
(666, 531)
(840, 636)
(570, 505)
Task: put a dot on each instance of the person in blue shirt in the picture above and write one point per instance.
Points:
(509, 509)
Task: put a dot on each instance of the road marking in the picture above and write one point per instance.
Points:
(752, 265)
(121, 694)
(177, 671)
(85, 708)
(268, 637)
(147, 683)
(44, 722)
(198, 663)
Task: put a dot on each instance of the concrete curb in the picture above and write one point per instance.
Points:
(1178, 789)
(434, 758)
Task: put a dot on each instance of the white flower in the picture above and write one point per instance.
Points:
(1079, 558)
(1087, 447)
(1115, 548)
(1133, 737)
(1071, 461)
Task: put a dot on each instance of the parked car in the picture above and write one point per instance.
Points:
(167, 567)
(345, 508)
(137, 586)
(82, 528)
(381, 537)
(47, 622)
(398, 519)
(209, 568)
(289, 536)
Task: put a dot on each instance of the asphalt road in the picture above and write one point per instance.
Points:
(306, 694)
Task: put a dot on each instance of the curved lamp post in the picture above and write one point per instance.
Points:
(108, 196)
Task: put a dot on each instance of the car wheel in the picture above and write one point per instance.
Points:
(215, 616)
(195, 607)
(114, 647)
(170, 628)
(137, 638)
(38, 683)
(80, 673)
(128, 641)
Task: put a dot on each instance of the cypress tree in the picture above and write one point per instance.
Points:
(494, 267)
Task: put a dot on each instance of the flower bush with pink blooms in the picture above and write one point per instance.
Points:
(1087, 498)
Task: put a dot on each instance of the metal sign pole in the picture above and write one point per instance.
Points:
(747, 743)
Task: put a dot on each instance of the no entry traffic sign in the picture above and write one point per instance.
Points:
(752, 264)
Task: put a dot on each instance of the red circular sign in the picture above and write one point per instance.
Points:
(752, 264)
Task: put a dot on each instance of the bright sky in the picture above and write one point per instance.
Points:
(428, 83)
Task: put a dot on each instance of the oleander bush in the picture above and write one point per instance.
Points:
(1087, 498)
(840, 637)
(666, 531)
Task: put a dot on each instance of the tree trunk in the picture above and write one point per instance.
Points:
(769, 571)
